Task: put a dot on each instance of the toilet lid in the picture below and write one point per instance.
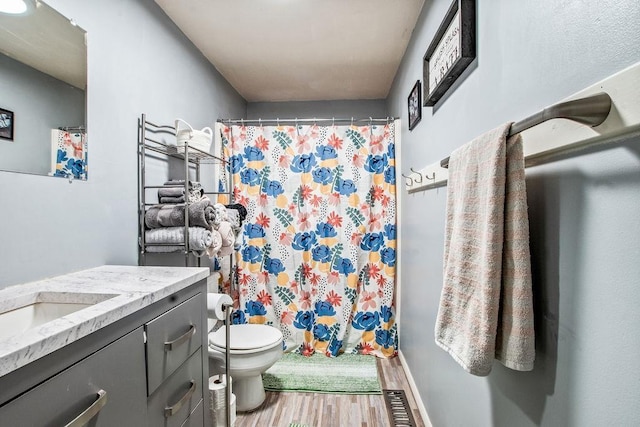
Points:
(245, 337)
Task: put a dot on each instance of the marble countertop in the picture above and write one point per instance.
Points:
(127, 289)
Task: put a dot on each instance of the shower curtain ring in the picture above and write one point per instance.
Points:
(351, 121)
(418, 173)
(410, 183)
(278, 121)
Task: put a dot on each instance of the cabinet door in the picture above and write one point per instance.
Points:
(112, 377)
(172, 338)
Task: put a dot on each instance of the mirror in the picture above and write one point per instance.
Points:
(43, 79)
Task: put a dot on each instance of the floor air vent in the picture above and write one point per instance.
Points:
(398, 408)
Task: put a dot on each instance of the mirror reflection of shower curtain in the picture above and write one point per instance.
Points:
(69, 154)
(318, 253)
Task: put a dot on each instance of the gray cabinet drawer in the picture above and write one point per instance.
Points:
(182, 391)
(118, 369)
(172, 338)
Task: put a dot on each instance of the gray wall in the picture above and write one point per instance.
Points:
(583, 211)
(138, 62)
(39, 103)
(319, 109)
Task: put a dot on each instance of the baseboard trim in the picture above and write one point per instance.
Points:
(414, 390)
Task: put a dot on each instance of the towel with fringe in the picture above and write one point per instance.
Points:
(199, 239)
(486, 305)
(201, 214)
(175, 194)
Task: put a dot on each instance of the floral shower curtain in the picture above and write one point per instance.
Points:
(318, 253)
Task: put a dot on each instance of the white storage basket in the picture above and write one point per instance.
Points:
(198, 139)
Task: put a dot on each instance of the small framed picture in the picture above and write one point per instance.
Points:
(415, 105)
(6, 124)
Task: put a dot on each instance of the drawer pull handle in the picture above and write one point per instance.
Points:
(169, 345)
(172, 410)
(90, 412)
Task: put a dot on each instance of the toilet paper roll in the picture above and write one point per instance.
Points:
(219, 382)
(217, 400)
(219, 415)
(214, 305)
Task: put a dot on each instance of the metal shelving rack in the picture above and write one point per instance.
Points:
(149, 135)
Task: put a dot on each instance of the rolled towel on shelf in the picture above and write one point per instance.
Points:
(226, 231)
(233, 216)
(201, 214)
(221, 214)
(242, 211)
(228, 238)
(199, 239)
(216, 244)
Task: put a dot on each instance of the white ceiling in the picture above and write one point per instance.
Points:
(300, 50)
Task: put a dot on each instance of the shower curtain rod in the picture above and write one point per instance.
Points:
(591, 110)
(333, 120)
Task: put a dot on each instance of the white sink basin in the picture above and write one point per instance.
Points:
(44, 307)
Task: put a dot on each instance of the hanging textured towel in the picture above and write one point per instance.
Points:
(486, 307)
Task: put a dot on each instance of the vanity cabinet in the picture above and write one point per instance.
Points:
(146, 369)
(108, 387)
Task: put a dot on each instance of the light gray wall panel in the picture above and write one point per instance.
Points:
(138, 61)
(583, 212)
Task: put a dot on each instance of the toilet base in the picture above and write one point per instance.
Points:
(249, 393)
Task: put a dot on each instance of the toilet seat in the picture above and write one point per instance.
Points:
(248, 338)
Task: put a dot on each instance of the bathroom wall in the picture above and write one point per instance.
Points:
(376, 108)
(39, 103)
(583, 212)
(139, 62)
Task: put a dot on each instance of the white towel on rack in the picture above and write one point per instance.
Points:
(199, 239)
(486, 308)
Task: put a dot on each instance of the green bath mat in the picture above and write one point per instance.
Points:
(345, 374)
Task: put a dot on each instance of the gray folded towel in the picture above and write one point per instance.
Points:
(175, 194)
(199, 239)
(171, 200)
(171, 192)
(201, 214)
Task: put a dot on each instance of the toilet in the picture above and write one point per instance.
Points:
(253, 350)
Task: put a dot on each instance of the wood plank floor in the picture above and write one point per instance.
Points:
(332, 410)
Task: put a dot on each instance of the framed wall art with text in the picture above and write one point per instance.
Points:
(451, 51)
